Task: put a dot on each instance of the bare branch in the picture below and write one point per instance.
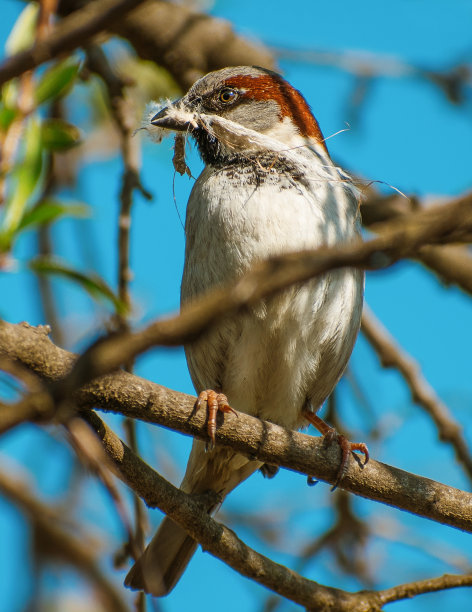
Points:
(138, 398)
(122, 110)
(391, 355)
(452, 264)
(123, 113)
(400, 238)
(223, 543)
(216, 538)
(58, 544)
(72, 32)
(430, 585)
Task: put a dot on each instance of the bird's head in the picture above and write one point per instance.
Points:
(255, 98)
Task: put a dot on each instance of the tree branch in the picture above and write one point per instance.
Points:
(223, 543)
(58, 544)
(187, 43)
(138, 398)
(452, 264)
(122, 110)
(398, 239)
(430, 585)
(216, 538)
(72, 32)
(391, 355)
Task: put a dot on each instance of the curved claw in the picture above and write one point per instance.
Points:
(331, 435)
(216, 402)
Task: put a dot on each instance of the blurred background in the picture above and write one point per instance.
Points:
(391, 86)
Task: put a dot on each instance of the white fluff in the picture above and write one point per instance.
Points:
(157, 134)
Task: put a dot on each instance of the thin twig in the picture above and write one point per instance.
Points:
(391, 355)
(123, 114)
(419, 587)
(57, 543)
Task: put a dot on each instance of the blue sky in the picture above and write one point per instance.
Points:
(407, 136)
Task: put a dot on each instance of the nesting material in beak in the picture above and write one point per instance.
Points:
(162, 118)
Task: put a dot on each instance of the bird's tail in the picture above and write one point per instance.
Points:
(164, 560)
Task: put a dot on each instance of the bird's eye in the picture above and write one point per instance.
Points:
(227, 95)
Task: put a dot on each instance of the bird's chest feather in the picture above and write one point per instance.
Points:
(270, 357)
(237, 216)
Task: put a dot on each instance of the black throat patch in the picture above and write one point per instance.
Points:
(257, 168)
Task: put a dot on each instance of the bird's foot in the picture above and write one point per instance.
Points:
(331, 435)
(216, 402)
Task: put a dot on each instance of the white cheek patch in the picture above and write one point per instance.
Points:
(239, 138)
(286, 132)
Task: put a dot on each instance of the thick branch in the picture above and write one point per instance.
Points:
(139, 398)
(452, 264)
(400, 238)
(187, 43)
(217, 539)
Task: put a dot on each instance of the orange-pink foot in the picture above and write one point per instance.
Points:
(331, 435)
(216, 402)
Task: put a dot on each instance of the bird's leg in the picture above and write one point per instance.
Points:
(216, 402)
(331, 435)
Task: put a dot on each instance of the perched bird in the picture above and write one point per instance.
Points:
(268, 187)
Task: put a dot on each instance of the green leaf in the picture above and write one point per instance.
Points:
(48, 211)
(95, 286)
(56, 81)
(59, 135)
(10, 94)
(6, 117)
(24, 31)
(26, 176)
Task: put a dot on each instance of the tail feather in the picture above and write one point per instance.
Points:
(164, 560)
(169, 552)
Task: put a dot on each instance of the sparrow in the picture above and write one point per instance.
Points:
(268, 187)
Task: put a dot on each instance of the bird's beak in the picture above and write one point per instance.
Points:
(163, 120)
(173, 117)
